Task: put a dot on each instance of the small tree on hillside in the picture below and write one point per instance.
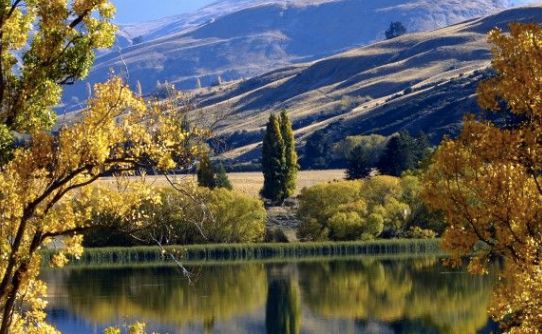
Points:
(206, 173)
(291, 166)
(221, 178)
(396, 29)
(273, 161)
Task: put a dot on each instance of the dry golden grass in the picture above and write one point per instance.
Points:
(249, 183)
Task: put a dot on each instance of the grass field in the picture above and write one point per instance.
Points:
(250, 183)
(227, 253)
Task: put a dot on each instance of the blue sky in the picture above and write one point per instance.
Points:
(132, 11)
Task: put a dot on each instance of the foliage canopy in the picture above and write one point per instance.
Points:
(487, 182)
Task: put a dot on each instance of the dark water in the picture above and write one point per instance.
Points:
(346, 296)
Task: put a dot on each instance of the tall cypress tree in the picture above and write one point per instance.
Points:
(273, 161)
(291, 166)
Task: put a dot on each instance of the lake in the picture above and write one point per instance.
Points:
(363, 295)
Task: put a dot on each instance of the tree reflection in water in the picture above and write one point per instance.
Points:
(414, 296)
(283, 307)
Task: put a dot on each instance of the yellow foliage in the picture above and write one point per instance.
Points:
(488, 184)
(45, 195)
(58, 39)
(353, 210)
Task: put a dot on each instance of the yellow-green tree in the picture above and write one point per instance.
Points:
(488, 181)
(45, 195)
(43, 46)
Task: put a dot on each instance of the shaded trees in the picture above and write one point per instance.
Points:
(359, 164)
(221, 178)
(210, 176)
(395, 29)
(206, 173)
(403, 152)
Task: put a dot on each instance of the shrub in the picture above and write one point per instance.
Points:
(379, 206)
(335, 211)
(235, 217)
(197, 215)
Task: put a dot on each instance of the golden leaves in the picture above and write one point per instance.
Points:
(488, 182)
(45, 190)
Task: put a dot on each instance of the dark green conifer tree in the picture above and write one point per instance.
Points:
(206, 173)
(359, 164)
(221, 178)
(291, 166)
(403, 152)
(273, 161)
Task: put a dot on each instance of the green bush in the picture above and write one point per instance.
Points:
(199, 215)
(235, 217)
(379, 206)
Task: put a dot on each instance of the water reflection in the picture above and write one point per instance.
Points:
(350, 296)
(283, 308)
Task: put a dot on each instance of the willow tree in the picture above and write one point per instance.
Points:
(488, 182)
(44, 184)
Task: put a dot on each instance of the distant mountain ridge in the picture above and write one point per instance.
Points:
(242, 39)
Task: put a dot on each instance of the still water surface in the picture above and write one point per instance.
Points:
(337, 296)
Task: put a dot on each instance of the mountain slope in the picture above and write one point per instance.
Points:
(423, 81)
(236, 39)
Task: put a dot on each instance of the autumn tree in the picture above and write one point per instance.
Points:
(273, 161)
(45, 45)
(291, 166)
(44, 182)
(45, 194)
(487, 182)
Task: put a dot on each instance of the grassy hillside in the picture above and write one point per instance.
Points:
(236, 39)
(423, 81)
